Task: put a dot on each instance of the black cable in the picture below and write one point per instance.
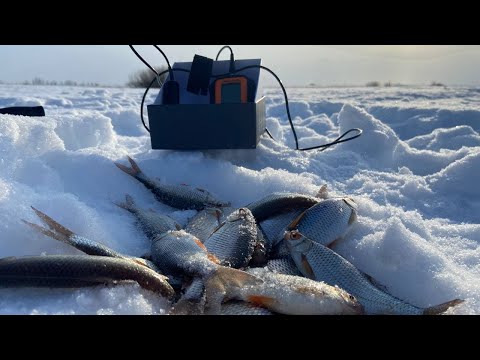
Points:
(231, 68)
(143, 60)
(324, 146)
(270, 135)
(147, 90)
(151, 67)
(223, 48)
(168, 62)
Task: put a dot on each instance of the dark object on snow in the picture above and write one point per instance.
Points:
(197, 123)
(24, 110)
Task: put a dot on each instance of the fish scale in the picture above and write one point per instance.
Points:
(284, 266)
(205, 222)
(243, 308)
(276, 203)
(234, 241)
(327, 221)
(150, 222)
(322, 264)
(176, 252)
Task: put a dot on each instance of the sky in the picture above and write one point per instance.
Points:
(296, 65)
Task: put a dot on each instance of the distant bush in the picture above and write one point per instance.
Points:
(373, 84)
(143, 78)
(42, 82)
(388, 84)
(436, 83)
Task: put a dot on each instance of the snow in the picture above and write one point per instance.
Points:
(414, 175)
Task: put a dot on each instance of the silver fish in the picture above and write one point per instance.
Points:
(328, 221)
(234, 241)
(151, 223)
(296, 295)
(90, 247)
(274, 227)
(78, 270)
(285, 266)
(178, 196)
(318, 262)
(205, 222)
(242, 308)
(180, 253)
(276, 203)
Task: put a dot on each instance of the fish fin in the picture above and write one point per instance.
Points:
(441, 308)
(128, 204)
(217, 228)
(134, 170)
(307, 267)
(223, 285)
(46, 232)
(353, 218)
(217, 213)
(322, 192)
(293, 225)
(260, 300)
(376, 283)
(210, 256)
(53, 225)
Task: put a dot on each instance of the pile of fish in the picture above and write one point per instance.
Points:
(273, 256)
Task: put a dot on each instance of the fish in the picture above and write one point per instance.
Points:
(274, 227)
(328, 221)
(276, 203)
(90, 247)
(151, 223)
(234, 241)
(205, 222)
(182, 197)
(242, 308)
(179, 253)
(295, 295)
(318, 262)
(78, 270)
(284, 266)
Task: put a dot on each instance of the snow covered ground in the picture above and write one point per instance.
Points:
(415, 174)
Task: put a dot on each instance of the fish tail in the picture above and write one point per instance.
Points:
(128, 205)
(441, 308)
(223, 284)
(57, 231)
(46, 232)
(134, 170)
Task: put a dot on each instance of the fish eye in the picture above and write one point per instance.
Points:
(295, 235)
